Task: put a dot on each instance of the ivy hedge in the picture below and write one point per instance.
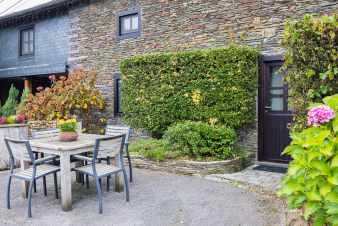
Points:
(311, 62)
(216, 86)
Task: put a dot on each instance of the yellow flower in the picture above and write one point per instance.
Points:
(196, 97)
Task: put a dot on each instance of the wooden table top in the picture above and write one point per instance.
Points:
(53, 143)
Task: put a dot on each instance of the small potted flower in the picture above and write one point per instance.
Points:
(67, 129)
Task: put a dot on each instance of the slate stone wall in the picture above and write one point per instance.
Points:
(51, 47)
(171, 25)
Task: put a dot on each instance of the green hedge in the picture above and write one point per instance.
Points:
(217, 85)
(311, 61)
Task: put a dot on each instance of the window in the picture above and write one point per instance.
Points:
(27, 42)
(117, 95)
(129, 24)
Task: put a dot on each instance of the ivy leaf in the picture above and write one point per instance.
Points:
(332, 197)
(334, 161)
(310, 208)
(325, 189)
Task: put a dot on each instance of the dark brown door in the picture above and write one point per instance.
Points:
(274, 113)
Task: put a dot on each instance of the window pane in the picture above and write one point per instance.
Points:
(31, 47)
(31, 35)
(126, 24)
(25, 36)
(134, 22)
(277, 103)
(277, 91)
(276, 77)
(25, 48)
(119, 94)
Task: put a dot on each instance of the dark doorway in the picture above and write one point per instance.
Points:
(275, 113)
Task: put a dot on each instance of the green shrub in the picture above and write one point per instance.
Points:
(9, 107)
(200, 140)
(161, 89)
(311, 182)
(311, 62)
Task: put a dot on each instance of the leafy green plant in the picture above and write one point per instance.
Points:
(311, 62)
(68, 125)
(311, 182)
(9, 107)
(20, 109)
(200, 140)
(218, 85)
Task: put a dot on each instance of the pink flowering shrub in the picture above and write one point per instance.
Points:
(319, 115)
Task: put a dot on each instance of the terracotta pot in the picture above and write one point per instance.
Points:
(68, 136)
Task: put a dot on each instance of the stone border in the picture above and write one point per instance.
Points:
(13, 125)
(187, 167)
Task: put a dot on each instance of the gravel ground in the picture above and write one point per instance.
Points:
(157, 199)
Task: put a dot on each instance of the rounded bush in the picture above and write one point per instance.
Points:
(201, 140)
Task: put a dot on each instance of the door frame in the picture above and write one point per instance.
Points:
(264, 60)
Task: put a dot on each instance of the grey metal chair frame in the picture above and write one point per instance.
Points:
(93, 164)
(33, 177)
(112, 130)
(43, 133)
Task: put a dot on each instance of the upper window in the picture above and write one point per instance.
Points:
(27, 42)
(129, 24)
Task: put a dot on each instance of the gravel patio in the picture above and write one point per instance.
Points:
(157, 198)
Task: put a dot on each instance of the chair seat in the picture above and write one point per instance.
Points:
(41, 170)
(101, 169)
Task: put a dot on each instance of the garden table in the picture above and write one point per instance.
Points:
(85, 143)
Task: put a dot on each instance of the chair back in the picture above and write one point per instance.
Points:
(110, 144)
(18, 150)
(45, 133)
(112, 130)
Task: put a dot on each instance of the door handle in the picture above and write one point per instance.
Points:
(267, 107)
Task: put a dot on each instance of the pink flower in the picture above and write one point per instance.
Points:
(319, 115)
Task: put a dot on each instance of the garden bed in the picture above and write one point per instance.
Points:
(188, 167)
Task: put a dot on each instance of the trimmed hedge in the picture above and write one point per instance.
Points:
(311, 62)
(217, 85)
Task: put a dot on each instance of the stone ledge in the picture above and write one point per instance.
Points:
(188, 167)
(13, 125)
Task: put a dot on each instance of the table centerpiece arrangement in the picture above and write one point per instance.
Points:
(68, 129)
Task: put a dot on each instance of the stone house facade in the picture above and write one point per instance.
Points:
(95, 40)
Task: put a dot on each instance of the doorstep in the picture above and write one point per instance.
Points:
(266, 180)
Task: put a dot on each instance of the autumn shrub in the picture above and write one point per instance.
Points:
(75, 94)
(311, 182)
(207, 85)
(311, 62)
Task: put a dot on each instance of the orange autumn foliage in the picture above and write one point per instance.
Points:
(74, 94)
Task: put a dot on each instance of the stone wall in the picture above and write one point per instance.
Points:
(171, 25)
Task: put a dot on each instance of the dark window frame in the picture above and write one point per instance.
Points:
(21, 31)
(117, 97)
(132, 34)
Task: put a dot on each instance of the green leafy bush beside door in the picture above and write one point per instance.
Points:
(311, 62)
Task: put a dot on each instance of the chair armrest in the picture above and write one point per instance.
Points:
(44, 160)
(83, 158)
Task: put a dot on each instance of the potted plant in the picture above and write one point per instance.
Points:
(67, 129)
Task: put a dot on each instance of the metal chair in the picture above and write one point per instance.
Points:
(21, 149)
(43, 133)
(100, 170)
(112, 130)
